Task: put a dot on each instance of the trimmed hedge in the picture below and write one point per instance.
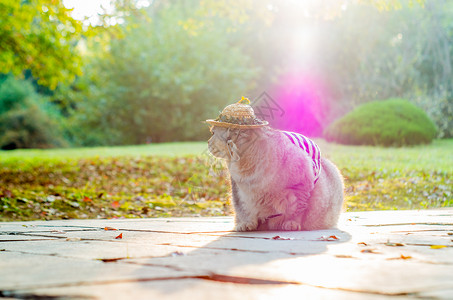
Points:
(391, 122)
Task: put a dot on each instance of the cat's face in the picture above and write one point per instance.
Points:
(230, 143)
(217, 144)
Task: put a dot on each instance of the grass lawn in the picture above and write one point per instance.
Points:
(24, 158)
(180, 179)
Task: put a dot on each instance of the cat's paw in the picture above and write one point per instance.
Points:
(291, 225)
(243, 226)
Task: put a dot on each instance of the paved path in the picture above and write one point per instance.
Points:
(373, 255)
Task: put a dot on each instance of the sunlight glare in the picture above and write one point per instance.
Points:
(88, 10)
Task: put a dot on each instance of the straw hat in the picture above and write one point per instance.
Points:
(238, 115)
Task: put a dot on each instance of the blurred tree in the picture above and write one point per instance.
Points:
(158, 76)
(40, 36)
(403, 53)
(154, 73)
(27, 120)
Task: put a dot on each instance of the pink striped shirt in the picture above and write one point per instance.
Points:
(308, 146)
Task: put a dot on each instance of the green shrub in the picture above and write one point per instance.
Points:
(392, 122)
(26, 120)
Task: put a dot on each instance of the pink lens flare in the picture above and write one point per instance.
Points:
(303, 98)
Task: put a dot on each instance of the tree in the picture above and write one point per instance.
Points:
(39, 36)
(166, 72)
(27, 119)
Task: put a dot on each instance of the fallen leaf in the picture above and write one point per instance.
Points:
(362, 243)
(277, 237)
(394, 244)
(402, 256)
(370, 251)
(108, 260)
(109, 228)
(115, 204)
(329, 238)
(120, 236)
(87, 199)
(2, 249)
(438, 246)
(344, 256)
(73, 239)
(450, 233)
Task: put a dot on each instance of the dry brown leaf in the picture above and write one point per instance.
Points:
(402, 256)
(362, 244)
(108, 260)
(277, 237)
(395, 244)
(329, 238)
(87, 199)
(109, 228)
(344, 256)
(373, 251)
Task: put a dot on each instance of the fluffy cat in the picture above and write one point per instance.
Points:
(273, 181)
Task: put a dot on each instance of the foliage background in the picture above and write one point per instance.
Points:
(152, 71)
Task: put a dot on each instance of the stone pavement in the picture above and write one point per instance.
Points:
(373, 255)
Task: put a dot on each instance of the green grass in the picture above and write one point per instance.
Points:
(179, 179)
(23, 157)
(437, 156)
(395, 178)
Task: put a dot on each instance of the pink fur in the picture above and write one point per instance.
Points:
(273, 182)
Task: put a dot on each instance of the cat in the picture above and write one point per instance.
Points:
(274, 183)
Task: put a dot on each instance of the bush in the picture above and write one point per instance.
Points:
(26, 121)
(392, 122)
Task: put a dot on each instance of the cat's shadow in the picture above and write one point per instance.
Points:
(243, 257)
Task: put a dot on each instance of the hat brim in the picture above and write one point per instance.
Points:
(232, 125)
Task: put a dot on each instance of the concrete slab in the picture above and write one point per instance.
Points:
(28, 271)
(195, 289)
(179, 225)
(373, 255)
(98, 250)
